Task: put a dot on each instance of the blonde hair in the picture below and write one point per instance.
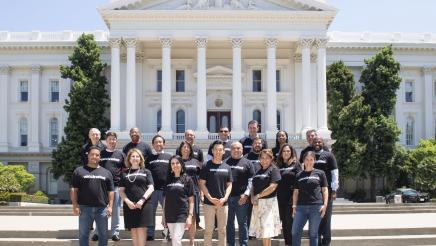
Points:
(267, 152)
(127, 160)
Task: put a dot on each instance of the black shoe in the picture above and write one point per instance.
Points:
(116, 238)
(150, 238)
(94, 237)
(251, 238)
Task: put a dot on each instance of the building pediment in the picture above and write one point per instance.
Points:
(290, 5)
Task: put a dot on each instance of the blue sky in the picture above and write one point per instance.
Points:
(353, 16)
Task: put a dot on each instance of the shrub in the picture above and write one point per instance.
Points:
(24, 178)
(23, 197)
(8, 183)
(4, 196)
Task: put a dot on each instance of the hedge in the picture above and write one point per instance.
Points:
(23, 197)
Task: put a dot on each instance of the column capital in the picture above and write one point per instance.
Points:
(427, 69)
(313, 58)
(236, 42)
(166, 42)
(201, 42)
(271, 42)
(115, 42)
(321, 43)
(36, 68)
(130, 42)
(305, 43)
(298, 57)
(4, 69)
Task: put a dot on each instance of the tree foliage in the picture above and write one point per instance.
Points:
(86, 106)
(15, 178)
(423, 168)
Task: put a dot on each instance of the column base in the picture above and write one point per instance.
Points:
(324, 133)
(202, 134)
(166, 134)
(4, 147)
(237, 134)
(303, 132)
(271, 134)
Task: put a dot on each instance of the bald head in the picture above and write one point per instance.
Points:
(236, 150)
(189, 136)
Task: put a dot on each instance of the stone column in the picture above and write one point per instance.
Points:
(236, 130)
(4, 81)
(428, 103)
(271, 113)
(305, 45)
(166, 130)
(115, 84)
(323, 130)
(131, 83)
(35, 85)
(201, 132)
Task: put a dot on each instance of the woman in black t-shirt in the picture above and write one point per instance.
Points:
(309, 200)
(281, 139)
(265, 220)
(193, 167)
(179, 200)
(136, 186)
(289, 167)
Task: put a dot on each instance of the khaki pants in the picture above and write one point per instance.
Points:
(209, 220)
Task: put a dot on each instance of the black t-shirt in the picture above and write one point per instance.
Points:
(158, 166)
(177, 193)
(85, 150)
(309, 148)
(254, 160)
(242, 170)
(93, 185)
(114, 162)
(263, 178)
(136, 182)
(288, 181)
(276, 151)
(227, 148)
(309, 187)
(216, 176)
(326, 162)
(198, 153)
(193, 167)
(142, 146)
(247, 144)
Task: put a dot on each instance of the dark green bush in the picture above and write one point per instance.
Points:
(4, 196)
(23, 197)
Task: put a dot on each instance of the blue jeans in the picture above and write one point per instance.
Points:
(156, 197)
(115, 218)
(87, 216)
(241, 212)
(304, 213)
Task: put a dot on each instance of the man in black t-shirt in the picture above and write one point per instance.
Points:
(310, 135)
(326, 162)
(135, 136)
(216, 184)
(242, 172)
(113, 160)
(94, 136)
(253, 155)
(224, 135)
(247, 142)
(92, 196)
(197, 152)
(157, 163)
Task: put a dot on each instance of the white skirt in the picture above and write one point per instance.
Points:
(265, 219)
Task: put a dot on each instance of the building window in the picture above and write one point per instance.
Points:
(180, 80)
(409, 91)
(24, 90)
(54, 132)
(410, 129)
(23, 132)
(257, 80)
(180, 121)
(54, 91)
(159, 80)
(278, 80)
(257, 116)
(158, 120)
(279, 127)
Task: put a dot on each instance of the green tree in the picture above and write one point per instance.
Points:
(380, 79)
(424, 167)
(86, 106)
(15, 178)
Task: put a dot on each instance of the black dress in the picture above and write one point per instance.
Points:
(136, 182)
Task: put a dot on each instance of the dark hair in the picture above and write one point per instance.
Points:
(170, 174)
(318, 138)
(309, 131)
(257, 138)
(277, 138)
(111, 134)
(157, 136)
(309, 153)
(93, 147)
(253, 122)
(217, 142)
(283, 163)
(183, 143)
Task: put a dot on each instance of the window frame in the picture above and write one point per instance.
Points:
(23, 132)
(53, 92)
(180, 126)
(180, 84)
(23, 93)
(256, 85)
(53, 141)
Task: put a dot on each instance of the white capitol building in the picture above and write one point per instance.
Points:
(199, 64)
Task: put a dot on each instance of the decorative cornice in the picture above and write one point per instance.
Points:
(115, 42)
(36, 68)
(4, 69)
(236, 42)
(166, 42)
(305, 43)
(271, 42)
(320, 43)
(130, 42)
(201, 42)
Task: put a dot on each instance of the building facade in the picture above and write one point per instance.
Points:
(177, 65)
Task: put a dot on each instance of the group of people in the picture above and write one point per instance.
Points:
(269, 191)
